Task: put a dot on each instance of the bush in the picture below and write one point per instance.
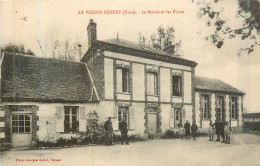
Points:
(170, 134)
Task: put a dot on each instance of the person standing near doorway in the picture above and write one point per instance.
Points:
(123, 129)
(187, 129)
(109, 131)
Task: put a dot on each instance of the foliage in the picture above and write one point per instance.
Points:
(13, 48)
(248, 11)
(170, 134)
(164, 37)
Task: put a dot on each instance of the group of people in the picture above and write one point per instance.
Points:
(109, 131)
(189, 129)
(222, 129)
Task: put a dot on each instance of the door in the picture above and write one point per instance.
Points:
(21, 132)
(152, 123)
(178, 117)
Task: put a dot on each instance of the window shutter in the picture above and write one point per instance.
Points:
(183, 115)
(132, 118)
(171, 123)
(82, 119)
(209, 111)
(59, 120)
(115, 119)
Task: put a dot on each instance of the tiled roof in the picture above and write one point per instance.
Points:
(136, 49)
(137, 46)
(202, 83)
(28, 78)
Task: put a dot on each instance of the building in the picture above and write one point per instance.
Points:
(251, 122)
(46, 99)
(217, 101)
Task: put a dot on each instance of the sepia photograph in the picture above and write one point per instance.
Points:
(130, 83)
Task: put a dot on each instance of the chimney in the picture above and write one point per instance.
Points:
(79, 45)
(92, 32)
(170, 50)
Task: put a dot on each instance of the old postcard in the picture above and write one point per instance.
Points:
(130, 83)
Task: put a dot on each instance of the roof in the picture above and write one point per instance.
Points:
(202, 83)
(136, 49)
(28, 78)
(137, 46)
(251, 115)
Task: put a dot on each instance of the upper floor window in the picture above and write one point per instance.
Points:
(205, 106)
(176, 85)
(122, 75)
(71, 119)
(152, 83)
(233, 107)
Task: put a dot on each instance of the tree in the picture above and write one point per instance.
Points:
(13, 48)
(248, 11)
(165, 37)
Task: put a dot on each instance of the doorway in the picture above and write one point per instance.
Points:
(152, 123)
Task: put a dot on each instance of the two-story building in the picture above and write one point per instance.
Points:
(46, 99)
(152, 89)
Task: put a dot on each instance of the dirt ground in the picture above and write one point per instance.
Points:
(244, 150)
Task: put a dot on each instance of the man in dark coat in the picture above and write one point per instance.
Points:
(109, 131)
(222, 133)
(123, 129)
(194, 129)
(217, 126)
(187, 129)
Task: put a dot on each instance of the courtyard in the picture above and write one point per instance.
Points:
(243, 150)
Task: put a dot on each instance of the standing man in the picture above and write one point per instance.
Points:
(194, 129)
(222, 133)
(123, 129)
(109, 131)
(217, 126)
(187, 129)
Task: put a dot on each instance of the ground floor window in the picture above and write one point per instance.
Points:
(123, 112)
(178, 117)
(21, 123)
(220, 109)
(234, 109)
(71, 119)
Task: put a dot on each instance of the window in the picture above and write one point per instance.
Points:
(71, 119)
(123, 113)
(176, 85)
(152, 83)
(220, 103)
(233, 107)
(21, 123)
(122, 75)
(205, 106)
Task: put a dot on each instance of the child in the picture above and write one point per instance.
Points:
(227, 130)
(211, 132)
(181, 131)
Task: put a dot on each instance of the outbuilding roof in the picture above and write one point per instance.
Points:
(202, 83)
(28, 78)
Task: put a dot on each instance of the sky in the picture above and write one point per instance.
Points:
(42, 23)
